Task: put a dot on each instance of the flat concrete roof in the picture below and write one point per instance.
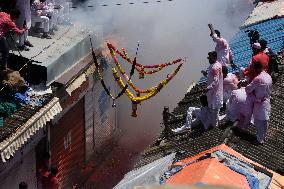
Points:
(69, 45)
(265, 11)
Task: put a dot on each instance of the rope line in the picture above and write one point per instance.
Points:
(128, 3)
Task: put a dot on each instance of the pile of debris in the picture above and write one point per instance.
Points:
(15, 93)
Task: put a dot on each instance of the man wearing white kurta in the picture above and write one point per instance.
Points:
(260, 88)
(42, 12)
(237, 98)
(224, 53)
(230, 83)
(214, 89)
(24, 7)
(239, 107)
(201, 116)
(59, 10)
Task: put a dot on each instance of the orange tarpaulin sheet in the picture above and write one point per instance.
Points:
(209, 171)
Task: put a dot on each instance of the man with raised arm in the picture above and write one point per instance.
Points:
(222, 48)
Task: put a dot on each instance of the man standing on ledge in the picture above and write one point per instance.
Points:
(222, 48)
(214, 89)
(6, 24)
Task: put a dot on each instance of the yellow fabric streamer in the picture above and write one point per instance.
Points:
(152, 93)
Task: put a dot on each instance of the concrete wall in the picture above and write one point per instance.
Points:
(24, 170)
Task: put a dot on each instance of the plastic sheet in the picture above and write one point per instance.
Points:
(146, 175)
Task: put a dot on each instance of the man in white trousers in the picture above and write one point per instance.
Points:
(201, 116)
(260, 88)
(43, 12)
(214, 89)
(230, 83)
(24, 20)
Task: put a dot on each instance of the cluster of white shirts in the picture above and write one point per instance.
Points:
(48, 14)
(243, 104)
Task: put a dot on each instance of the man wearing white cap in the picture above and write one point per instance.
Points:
(258, 56)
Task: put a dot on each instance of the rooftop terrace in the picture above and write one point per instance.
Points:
(269, 155)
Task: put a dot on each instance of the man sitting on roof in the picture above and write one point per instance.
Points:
(258, 56)
(43, 13)
(222, 48)
(260, 88)
(201, 116)
(230, 83)
(6, 24)
(214, 89)
(58, 7)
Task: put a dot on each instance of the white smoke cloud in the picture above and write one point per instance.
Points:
(166, 30)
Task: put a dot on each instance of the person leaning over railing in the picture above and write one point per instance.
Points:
(7, 23)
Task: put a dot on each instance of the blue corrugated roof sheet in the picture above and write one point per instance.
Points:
(271, 30)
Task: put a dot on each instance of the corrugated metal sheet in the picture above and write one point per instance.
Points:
(271, 30)
(265, 11)
(67, 145)
(21, 136)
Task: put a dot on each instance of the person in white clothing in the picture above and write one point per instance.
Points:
(24, 21)
(43, 12)
(200, 114)
(239, 107)
(230, 83)
(260, 88)
(224, 53)
(237, 98)
(59, 11)
(214, 89)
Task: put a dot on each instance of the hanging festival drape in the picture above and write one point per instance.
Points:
(152, 93)
(129, 81)
(139, 67)
(123, 90)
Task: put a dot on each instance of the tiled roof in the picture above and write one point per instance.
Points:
(270, 155)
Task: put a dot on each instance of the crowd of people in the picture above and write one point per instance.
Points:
(21, 17)
(245, 97)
